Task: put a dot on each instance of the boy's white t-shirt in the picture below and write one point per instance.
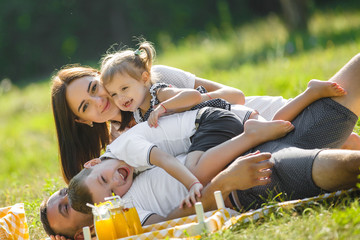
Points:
(171, 136)
(156, 192)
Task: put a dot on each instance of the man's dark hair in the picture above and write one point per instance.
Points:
(44, 218)
(78, 193)
(45, 221)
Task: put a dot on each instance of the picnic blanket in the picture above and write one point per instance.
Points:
(186, 226)
(222, 219)
(13, 223)
(261, 212)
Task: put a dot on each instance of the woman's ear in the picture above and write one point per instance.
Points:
(92, 162)
(90, 123)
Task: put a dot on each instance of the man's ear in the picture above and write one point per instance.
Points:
(145, 76)
(92, 162)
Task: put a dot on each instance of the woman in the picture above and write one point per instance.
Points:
(82, 109)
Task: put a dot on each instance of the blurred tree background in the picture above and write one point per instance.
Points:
(39, 36)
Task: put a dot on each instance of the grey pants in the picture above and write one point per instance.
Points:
(323, 124)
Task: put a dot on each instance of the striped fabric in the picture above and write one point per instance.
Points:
(13, 223)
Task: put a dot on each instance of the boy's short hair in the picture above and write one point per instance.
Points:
(78, 193)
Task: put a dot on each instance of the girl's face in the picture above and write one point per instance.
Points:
(109, 176)
(128, 93)
(89, 101)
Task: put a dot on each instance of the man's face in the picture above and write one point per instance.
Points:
(108, 177)
(62, 218)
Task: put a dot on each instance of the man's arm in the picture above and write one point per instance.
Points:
(243, 173)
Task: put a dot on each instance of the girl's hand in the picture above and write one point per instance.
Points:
(154, 116)
(194, 192)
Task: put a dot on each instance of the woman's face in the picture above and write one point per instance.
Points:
(89, 101)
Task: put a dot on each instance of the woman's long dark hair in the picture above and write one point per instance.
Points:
(78, 142)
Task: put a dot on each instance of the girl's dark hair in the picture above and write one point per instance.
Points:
(78, 142)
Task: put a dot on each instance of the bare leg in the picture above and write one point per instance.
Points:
(316, 89)
(352, 143)
(336, 169)
(205, 165)
(349, 78)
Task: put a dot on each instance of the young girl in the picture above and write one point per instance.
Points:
(126, 76)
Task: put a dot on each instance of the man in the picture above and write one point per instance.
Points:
(57, 222)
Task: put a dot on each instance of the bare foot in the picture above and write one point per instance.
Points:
(267, 130)
(352, 142)
(320, 89)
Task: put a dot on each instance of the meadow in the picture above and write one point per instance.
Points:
(260, 58)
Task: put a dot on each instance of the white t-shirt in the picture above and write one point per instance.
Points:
(173, 76)
(172, 136)
(155, 191)
(265, 105)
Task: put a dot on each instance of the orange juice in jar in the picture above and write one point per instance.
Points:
(105, 229)
(132, 217)
(121, 227)
(104, 226)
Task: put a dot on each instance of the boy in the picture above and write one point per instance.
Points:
(202, 132)
(193, 132)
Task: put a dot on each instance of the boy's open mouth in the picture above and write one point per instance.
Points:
(124, 173)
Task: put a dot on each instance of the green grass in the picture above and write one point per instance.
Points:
(260, 58)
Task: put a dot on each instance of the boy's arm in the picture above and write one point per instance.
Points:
(177, 170)
(217, 90)
(243, 173)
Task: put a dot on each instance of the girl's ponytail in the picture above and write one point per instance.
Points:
(147, 54)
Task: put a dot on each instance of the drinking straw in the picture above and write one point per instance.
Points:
(219, 200)
(86, 232)
(113, 197)
(96, 209)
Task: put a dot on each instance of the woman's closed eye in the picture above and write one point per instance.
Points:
(124, 88)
